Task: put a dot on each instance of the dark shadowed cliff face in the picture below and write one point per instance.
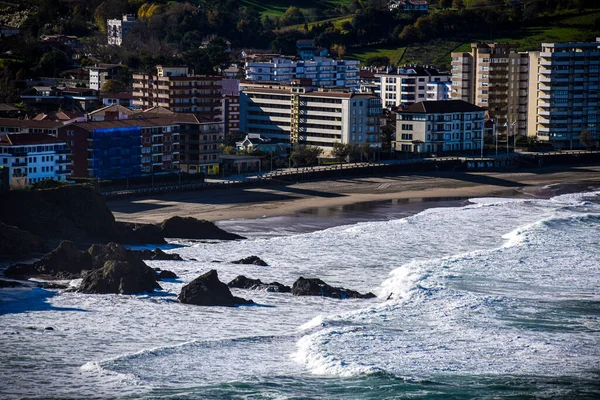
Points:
(73, 212)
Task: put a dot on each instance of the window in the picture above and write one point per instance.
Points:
(407, 136)
(407, 127)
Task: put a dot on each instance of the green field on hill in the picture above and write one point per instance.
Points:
(278, 7)
(569, 27)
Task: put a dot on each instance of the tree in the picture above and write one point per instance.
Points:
(340, 151)
(377, 61)
(112, 86)
(445, 3)
(339, 50)
(585, 138)
(365, 151)
(292, 16)
(306, 156)
(387, 136)
(285, 44)
(217, 53)
(458, 4)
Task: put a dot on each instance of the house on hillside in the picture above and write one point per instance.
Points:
(409, 5)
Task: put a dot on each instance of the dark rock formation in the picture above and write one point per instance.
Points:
(192, 228)
(208, 290)
(254, 260)
(101, 253)
(124, 277)
(117, 271)
(15, 241)
(5, 284)
(156, 254)
(241, 282)
(140, 233)
(64, 262)
(71, 212)
(316, 287)
(165, 274)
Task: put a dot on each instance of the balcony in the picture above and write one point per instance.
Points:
(63, 161)
(62, 172)
(19, 164)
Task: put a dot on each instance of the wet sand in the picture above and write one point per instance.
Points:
(270, 201)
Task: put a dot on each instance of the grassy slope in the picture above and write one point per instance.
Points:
(569, 27)
(278, 7)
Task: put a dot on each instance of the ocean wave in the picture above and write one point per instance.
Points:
(311, 352)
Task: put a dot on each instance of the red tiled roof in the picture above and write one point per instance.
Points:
(15, 139)
(24, 123)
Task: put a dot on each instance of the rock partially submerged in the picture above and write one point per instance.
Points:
(9, 284)
(192, 228)
(242, 282)
(316, 287)
(117, 271)
(162, 274)
(208, 290)
(252, 260)
(64, 262)
(140, 233)
(156, 254)
(121, 277)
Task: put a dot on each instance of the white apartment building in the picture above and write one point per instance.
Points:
(117, 29)
(410, 84)
(323, 71)
(33, 157)
(307, 116)
(434, 126)
(100, 73)
(564, 93)
(494, 76)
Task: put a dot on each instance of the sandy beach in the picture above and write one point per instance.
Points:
(278, 200)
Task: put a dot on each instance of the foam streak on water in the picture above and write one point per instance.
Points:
(499, 297)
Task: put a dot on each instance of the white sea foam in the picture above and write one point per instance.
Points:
(311, 352)
(508, 289)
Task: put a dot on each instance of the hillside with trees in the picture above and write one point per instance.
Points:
(177, 31)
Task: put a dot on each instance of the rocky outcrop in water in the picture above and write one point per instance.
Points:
(242, 282)
(156, 254)
(208, 290)
(121, 277)
(316, 287)
(162, 274)
(64, 262)
(140, 233)
(252, 260)
(192, 228)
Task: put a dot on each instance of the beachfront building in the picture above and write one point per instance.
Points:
(399, 87)
(299, 114)
(178, 89)
(494, 76)
(322, 71)
(564, 100)
(33, 157)
(117, 29)
(123, 148)
(200, 139)
(436, 126)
